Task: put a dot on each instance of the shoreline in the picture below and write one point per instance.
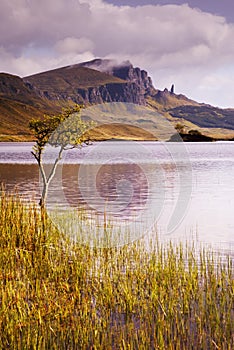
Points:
(195, 138)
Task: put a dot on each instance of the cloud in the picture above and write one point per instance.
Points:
(73, 45)
(176, 44)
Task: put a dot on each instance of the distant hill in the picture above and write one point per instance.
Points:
(98, 81)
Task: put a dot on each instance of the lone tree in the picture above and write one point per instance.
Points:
(180, 128)
(66, 130)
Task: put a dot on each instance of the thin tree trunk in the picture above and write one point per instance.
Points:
(46, 180)
(44, 194)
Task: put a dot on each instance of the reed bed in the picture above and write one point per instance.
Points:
(55, 294)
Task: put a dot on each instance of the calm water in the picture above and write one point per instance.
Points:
(187, 190)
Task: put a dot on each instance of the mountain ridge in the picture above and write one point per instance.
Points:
(22, 99)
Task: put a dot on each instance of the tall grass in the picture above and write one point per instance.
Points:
(55, 294)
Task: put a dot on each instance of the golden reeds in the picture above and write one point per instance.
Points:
(56, 294)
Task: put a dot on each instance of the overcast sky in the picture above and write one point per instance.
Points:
(190, 45)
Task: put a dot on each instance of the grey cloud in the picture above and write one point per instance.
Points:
(155, 29)
(73, 45)
(41, 22)
(169, 40)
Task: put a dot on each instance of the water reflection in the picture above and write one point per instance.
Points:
(210, 214)
(124, 185)
(24, 178)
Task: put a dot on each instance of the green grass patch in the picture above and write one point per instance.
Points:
(55, 294)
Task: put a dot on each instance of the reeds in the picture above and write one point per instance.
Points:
(55, 294)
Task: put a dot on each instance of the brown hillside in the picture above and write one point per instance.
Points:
(67, 79)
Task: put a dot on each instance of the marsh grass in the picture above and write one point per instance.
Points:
(55, 294)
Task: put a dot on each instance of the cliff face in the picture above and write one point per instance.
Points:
(135, 76)
(129, 92)
(138, 85)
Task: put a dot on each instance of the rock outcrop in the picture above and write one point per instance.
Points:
(128, 92)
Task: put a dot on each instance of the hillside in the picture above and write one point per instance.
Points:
(18, 104)
(68, 82)
(205, 116)
(95, 82)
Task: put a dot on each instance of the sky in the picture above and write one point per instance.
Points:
(186, 43)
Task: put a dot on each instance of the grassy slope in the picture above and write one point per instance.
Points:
(121, 132)
(67, 79)
(19, 104)
(206, 116)
(165, 100)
